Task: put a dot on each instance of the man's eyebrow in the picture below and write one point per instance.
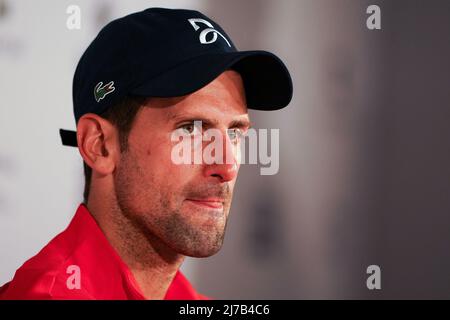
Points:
(240, 123)
(236, 123)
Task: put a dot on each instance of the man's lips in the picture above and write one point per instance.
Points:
(215, 203)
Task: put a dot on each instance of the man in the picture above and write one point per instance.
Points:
(145, 77)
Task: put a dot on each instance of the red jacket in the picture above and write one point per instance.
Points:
(79, 263)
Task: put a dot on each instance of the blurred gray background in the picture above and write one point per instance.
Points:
(364, 146)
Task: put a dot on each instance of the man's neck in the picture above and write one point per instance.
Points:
(151, 262)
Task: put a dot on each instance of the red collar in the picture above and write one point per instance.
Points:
(102, 273)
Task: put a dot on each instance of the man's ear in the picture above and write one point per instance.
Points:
(98, 143)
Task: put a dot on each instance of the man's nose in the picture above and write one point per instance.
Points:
(227, 169)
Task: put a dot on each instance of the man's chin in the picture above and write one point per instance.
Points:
(202, 253)
(193, 234)
(202, 250)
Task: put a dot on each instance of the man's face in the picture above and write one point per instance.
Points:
(186, 206)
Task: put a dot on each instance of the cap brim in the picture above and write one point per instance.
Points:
(267, 82)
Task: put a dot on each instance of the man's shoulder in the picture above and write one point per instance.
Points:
(43, 276)
(32, 285)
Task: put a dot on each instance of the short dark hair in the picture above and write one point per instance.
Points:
(121, 115)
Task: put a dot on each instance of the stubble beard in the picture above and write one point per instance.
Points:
(155, 211)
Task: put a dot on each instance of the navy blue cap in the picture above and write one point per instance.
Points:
(162, 52)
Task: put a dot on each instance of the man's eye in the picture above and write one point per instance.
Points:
(235, 134)
(191, 128)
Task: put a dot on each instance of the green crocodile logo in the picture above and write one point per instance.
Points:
(100, 90)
